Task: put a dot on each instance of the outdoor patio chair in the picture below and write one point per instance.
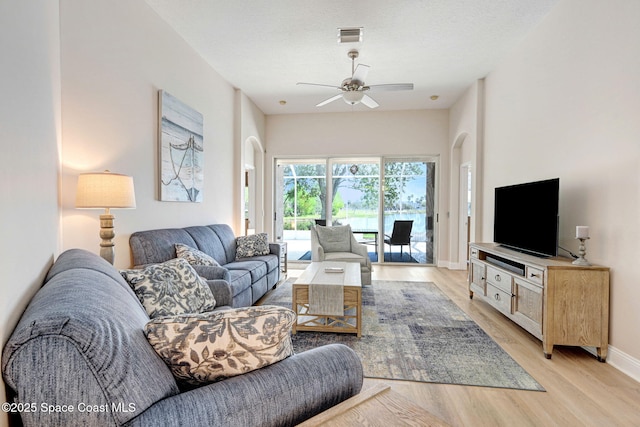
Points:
(400, 236)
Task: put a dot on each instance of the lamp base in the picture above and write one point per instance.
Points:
(582, 251)
(107, 234)
(581, 261)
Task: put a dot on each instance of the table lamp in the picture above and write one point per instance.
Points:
(105, 190)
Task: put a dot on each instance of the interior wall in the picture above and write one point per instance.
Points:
(115, 58)
(252, 136)
(374, 133)
(565, 104)
(463, 140)
(30, 140)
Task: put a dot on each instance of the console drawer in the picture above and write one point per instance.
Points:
(534, 275)
(499, 279)
(499, 299)
(473, 252)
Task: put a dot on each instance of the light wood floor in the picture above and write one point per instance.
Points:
(580, 391)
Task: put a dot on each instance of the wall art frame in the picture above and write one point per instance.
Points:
(181, 150)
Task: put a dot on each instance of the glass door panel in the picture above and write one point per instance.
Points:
(302, 201)
(409, 195)
(355, 199)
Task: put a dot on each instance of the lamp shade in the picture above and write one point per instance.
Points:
(105, 190)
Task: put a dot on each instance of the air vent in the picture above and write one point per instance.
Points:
(349, 35)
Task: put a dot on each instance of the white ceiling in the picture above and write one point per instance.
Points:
(265, 47)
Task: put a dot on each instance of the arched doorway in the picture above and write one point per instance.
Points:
(253, 186)
(461, 201)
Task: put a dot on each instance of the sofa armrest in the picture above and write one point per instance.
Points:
(285, 393)
(221, 291)
(359, 249)
(211, 272)
(274, 249)
(218, 279)
(317, 254)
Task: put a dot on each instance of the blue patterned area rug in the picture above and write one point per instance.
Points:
(412, 331)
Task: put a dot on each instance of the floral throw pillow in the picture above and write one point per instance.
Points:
(254, 245)
(170, 288)
(207, 347)
(194, 256)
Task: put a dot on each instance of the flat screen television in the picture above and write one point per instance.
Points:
(526, 217)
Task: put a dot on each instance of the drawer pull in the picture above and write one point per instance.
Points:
(498, 278)
(497, 297)
(534, 275)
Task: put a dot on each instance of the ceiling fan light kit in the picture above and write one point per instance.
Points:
(353, 88)
(352, 97)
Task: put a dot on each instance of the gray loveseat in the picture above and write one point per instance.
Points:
(247, 279)
(78, 356)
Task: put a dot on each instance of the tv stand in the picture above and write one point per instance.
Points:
(554, 300)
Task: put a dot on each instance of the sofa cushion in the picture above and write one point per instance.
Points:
(170, 288)
(207, 347)
(257, 269)
(194, 256)
(155, 246)
(335, 239)
(253, 245)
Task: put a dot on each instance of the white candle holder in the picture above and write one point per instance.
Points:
(582, 251)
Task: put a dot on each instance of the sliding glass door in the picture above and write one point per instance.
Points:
(408, 210)
(369, 194)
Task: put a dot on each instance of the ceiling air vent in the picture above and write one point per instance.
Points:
(349, 35)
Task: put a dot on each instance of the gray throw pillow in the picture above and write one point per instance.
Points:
(170, 288)
(335, 239)
(253, 245)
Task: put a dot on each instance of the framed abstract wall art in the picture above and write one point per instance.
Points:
(181, 151)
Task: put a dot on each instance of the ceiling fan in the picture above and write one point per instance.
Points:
(352, 90)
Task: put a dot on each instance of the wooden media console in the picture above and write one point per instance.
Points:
(556, 301)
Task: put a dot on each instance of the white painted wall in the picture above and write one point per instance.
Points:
(565, 104)
(30, 141)
(375, 133)
(115, 58)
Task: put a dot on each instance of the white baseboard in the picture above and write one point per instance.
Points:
(624, 363)
(621, 361)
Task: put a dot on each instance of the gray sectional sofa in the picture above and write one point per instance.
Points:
(79, 357)
(247, 279)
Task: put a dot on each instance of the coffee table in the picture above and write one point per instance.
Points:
(349, 278)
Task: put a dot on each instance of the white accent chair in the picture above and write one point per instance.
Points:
(338, 243)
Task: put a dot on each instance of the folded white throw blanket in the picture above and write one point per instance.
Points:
(327, 298)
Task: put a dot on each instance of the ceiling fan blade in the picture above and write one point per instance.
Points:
(392, 86)
(360, 74)
(369, 102)
(319, 84)
(326, 101)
